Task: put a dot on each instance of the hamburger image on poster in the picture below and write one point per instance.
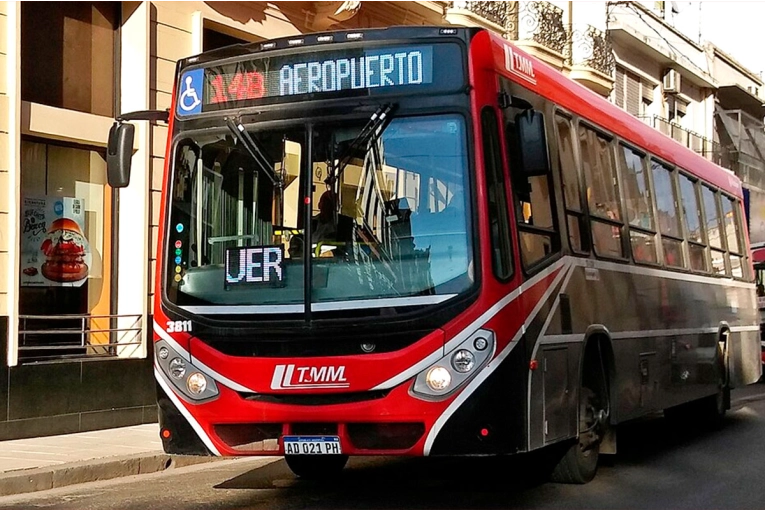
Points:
(64, 248)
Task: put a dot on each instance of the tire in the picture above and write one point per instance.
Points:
(314, 467)
(577, 466)
(579, 461)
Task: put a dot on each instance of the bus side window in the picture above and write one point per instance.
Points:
(668, 215)
(569, 173)
(496, 197)
(637, 196)
(714, 230)
(534, 208)
(602, 192)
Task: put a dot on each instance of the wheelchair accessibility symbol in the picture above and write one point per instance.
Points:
(189, 100)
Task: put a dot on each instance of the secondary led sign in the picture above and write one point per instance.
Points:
(254, 264)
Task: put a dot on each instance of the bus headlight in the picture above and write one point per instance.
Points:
(463, 361)
(191, 382)
(455, 369)
(177, 368)
(438, 378)
(196, 383)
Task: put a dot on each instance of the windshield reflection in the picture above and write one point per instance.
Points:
(390, 228)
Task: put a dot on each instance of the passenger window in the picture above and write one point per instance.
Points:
(637, 194)
(602, 193)
(598, 166)
(714, 230)
(693, 223)
(496, 197)
(534, 209)
(571, 185)
(668, 216)
(732, 237)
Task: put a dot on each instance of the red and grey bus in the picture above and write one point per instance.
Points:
(424, 241)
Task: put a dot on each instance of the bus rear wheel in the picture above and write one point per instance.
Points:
(315, 467)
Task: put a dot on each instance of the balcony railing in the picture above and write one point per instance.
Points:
(589, 47)
(542, 23)
(496, 12)
(698, 143)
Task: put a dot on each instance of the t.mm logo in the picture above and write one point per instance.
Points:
(291, 377)
(519, 65)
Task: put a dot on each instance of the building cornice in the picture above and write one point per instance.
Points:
(738, 66)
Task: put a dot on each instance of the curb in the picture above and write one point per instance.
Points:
(51, 477)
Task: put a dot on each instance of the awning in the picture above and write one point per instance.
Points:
(736, 97)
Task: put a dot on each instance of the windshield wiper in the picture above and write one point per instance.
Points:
(371, 131)
(254, 149)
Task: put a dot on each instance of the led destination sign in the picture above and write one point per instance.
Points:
(254, 264)
(384, 69)
(323, 73)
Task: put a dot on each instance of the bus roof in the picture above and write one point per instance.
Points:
(532, 73)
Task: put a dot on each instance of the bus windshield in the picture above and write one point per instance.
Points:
(389, 218)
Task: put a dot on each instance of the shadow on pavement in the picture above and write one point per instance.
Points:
(471, 482)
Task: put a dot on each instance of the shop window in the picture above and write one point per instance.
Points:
(68, 55)
(65, 295)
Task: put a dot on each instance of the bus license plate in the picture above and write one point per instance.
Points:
(312, 445)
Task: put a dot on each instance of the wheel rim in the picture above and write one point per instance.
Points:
(592, 421)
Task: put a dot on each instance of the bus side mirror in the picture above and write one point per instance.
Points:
(532, 143)
(119, 154)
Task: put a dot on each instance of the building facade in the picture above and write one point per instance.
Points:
(77, 257)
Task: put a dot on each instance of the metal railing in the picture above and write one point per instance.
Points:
(698, 143)
(590, 47)
(746, 133)
(541, 22)
(48, 337)
(496, 12)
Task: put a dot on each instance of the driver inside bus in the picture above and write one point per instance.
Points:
(323, 224)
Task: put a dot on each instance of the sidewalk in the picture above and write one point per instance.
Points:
(40, 463)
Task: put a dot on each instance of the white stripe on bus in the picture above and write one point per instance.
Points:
(186, 414)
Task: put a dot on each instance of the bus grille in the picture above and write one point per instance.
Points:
(316, 399)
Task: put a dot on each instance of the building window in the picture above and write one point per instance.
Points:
(65, 252)
(68, 55)
(212, 39)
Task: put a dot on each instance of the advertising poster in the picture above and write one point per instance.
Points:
(54, 250)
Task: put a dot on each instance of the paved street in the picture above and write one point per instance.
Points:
(658, 467)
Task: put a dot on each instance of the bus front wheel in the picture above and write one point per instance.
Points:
(579, 463)
(316, 466)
